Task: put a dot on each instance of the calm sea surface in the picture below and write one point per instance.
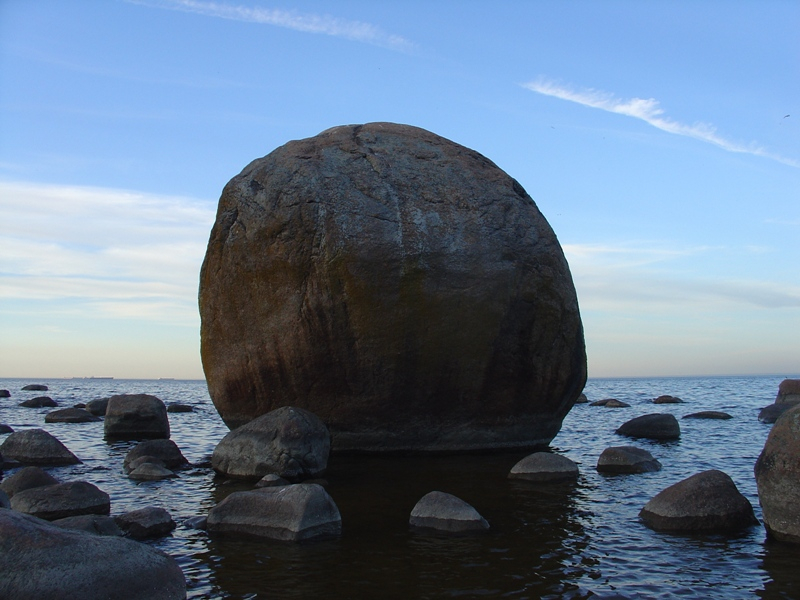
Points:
(556, 541)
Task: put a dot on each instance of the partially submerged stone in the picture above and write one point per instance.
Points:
(42, 561)
(770, 413)
(146, 523)
(62, 500)
(5, 394)
(39, 402)
(177, 407)
(37, 447)
(627, 459)
(545, 467)
(165, 451)
(709, 414)
(70, 415)
(270, 480)
(136, 416)
(777, 472)
(667, 399)
(290, 442)
(446, 513)
(147, 471)
(96, 524)
(35, 387)
(25, 479)
(705, 502)
(297, 512)
(653, 426)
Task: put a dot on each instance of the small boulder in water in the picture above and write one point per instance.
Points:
(707, 501)
(146, 523)
(39, 402)
(96, 524)
(653, 426)
(6, 428)
(770, 413)
(25, 479)
(271, 480)
(446, 513)
(627, 459)
(5, 394)
(166, 451)
(177, 407)
(150, 472)
(545, 467)
(582, 399)
(37, 447)
(666, 399)
(97, 407)
(62, 500)
(35, 387)
(708, 414)
(136, 416)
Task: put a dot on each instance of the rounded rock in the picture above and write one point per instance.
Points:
(653, 426)
(135, 416)
(25, 479)
(627, 459)
(150, 472)
(666, 399)
(70, 415)
(446, 513)
(62, 500)
(146, 523)
(35, 387)
(545, 467)
(709, 414)
(398, 285)
(165, 451)
(37, 447)
(39, 402)
(97, 407)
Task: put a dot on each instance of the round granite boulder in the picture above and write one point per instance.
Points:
(446, 513)
(37, 447)
(39, 402)
(777, 474)
(136, 416)
(70, 415)
(399, 286)
(627, 459)
(654, 426)
(25, 479)
(165, 451)
(545, 467)
(62, 500)
(707, 501)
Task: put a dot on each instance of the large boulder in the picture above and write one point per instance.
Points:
(446, 513)
(707, 501)
(777, 472)
(292, 513)
(40, 560)
(398, 285)
(62, 500)
(136, 416)
(654, 426)
(289, 442)
(37, 447)
(788, 392)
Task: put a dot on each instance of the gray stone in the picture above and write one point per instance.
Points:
(545, 467)
(770, 413)
(6, 428)
(788, 392)
(62, 500)
(25, 479)
(627, 459)
(777, 472)
(708, 414)
(96, 524)
(142, 460)
(176, 407)
(39, 402)
(97, 407)
(5, 394)
(166, 451)
(295, 512)
(146, 523)
(70, 415)
(666, 399)
(614, 403)
(42, 561)
(444, 512)
(136, 416)
(399, 286)
(653, 426)
(271, 479)
(37, 447)
(150, 472)
(35, 387)
(582, 399)
(707, 501)
(289, 442)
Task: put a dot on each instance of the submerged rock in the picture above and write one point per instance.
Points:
(42, 561)
(70, 415)
(545, 467)
(420, 302)
(37, 447)
(446, 513)
(777, 472)
(5, 394)
(136, 416)
(653, 426)
(666, 399)
(289, 442)
(176, 407)
(708, 414)
(165, 451)
(97, 407)
(146, 523)
(62, 500)
(301, 511)
(147, 471)
(35, 387)
(707, 501)
(627, 459)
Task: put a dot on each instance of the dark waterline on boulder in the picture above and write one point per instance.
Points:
(557, 540)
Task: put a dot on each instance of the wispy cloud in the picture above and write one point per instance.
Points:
(113, 252)
(358, 31)
(649, 110)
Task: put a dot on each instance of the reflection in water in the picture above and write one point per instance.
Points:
(780, 564)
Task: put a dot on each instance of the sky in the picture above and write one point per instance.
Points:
(661, 140)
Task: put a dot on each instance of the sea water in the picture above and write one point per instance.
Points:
(546, 541)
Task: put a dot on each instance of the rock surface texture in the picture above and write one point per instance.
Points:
(707, 501)
(43, 561)
(289, 442)
(398, 285)
(777, 474)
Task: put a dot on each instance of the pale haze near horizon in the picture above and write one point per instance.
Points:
(661, 140)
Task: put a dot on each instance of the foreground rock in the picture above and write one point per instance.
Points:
(43, 561)
(25, 479)
(653, 426)
(446, 513)
(289, 442)
(707, 501)
(296, 512)
(165, 451)
(627, 459)
(777, 472)
(70, 415)
(146, 523)
(545, 467)
(37, 447)
(709, 414)
(408, 305)
(136, 416)
(788, 392)
(39, 402)
(62, 500)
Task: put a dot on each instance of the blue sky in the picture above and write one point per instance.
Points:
(660, 139)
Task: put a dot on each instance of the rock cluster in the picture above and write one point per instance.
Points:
(398, 285)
